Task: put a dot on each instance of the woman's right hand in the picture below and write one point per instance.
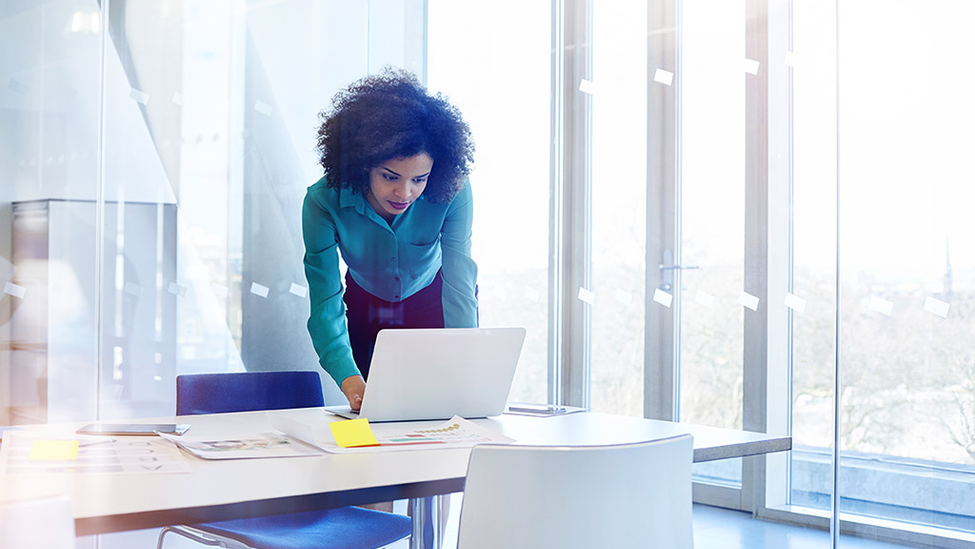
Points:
(353, 387)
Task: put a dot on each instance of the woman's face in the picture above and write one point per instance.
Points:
(396, 183)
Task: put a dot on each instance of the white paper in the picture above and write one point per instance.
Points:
(586, 296)
(663, 77)
(259, 289)
(297, 290)
(748, 300)
(178, 98)
(881, 305)
(795, 302)
(705, 299)
(258, 445)
(177, 289)
(456, 432)
(221, 290)
(96, 454)
(662, 297)
(936, 306)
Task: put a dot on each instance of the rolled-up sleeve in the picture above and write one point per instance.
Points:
(459, 269)
(326, 325)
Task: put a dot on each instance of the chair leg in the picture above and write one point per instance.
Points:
(179, 530)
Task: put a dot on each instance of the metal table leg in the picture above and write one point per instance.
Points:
(427, 523)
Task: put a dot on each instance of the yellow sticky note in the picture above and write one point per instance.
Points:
(50, 450)
(353, 433)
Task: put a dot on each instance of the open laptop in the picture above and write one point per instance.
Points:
(437, 373)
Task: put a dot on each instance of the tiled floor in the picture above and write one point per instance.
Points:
(714, 528)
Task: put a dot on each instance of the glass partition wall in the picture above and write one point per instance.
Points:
(741, 214)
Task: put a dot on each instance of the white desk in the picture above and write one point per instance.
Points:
(218, 490)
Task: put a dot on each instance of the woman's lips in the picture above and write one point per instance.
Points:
(398, 205)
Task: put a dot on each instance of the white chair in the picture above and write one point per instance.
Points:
(631, 495)
(37, 524)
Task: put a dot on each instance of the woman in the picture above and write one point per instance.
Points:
(396, 202)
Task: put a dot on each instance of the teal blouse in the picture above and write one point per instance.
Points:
(390, 261)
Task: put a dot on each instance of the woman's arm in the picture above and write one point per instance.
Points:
(326, 325)
(459, 269)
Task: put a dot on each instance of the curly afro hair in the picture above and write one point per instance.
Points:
(391, 115)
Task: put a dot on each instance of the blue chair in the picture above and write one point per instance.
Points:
(343, 528)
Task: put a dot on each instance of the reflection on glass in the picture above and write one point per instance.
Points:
(208, 130)
(49, 56)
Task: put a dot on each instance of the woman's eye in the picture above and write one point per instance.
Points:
(389, 177)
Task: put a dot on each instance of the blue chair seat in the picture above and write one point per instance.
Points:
(343, 528)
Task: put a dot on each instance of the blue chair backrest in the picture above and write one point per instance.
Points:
(247, 391)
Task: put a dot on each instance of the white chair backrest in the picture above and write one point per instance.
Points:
(632, 495)
(37, 524)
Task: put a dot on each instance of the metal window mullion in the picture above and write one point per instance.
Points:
(556, 229)
(756, 323)
(575, 208)
(780, 251)
(660, 365)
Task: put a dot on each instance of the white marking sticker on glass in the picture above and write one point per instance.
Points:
(936, 307)
(795, 302)
(751, 66)
(748, 301)
(704, 298)
(881, 305)
(663, 77)
(662, 297)
(14, 290)
(263, 108)
(140, 96)
(586, 296)
(624, 296)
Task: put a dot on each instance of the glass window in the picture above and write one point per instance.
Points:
(619, 205)
(498, 73)
(906, 267)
